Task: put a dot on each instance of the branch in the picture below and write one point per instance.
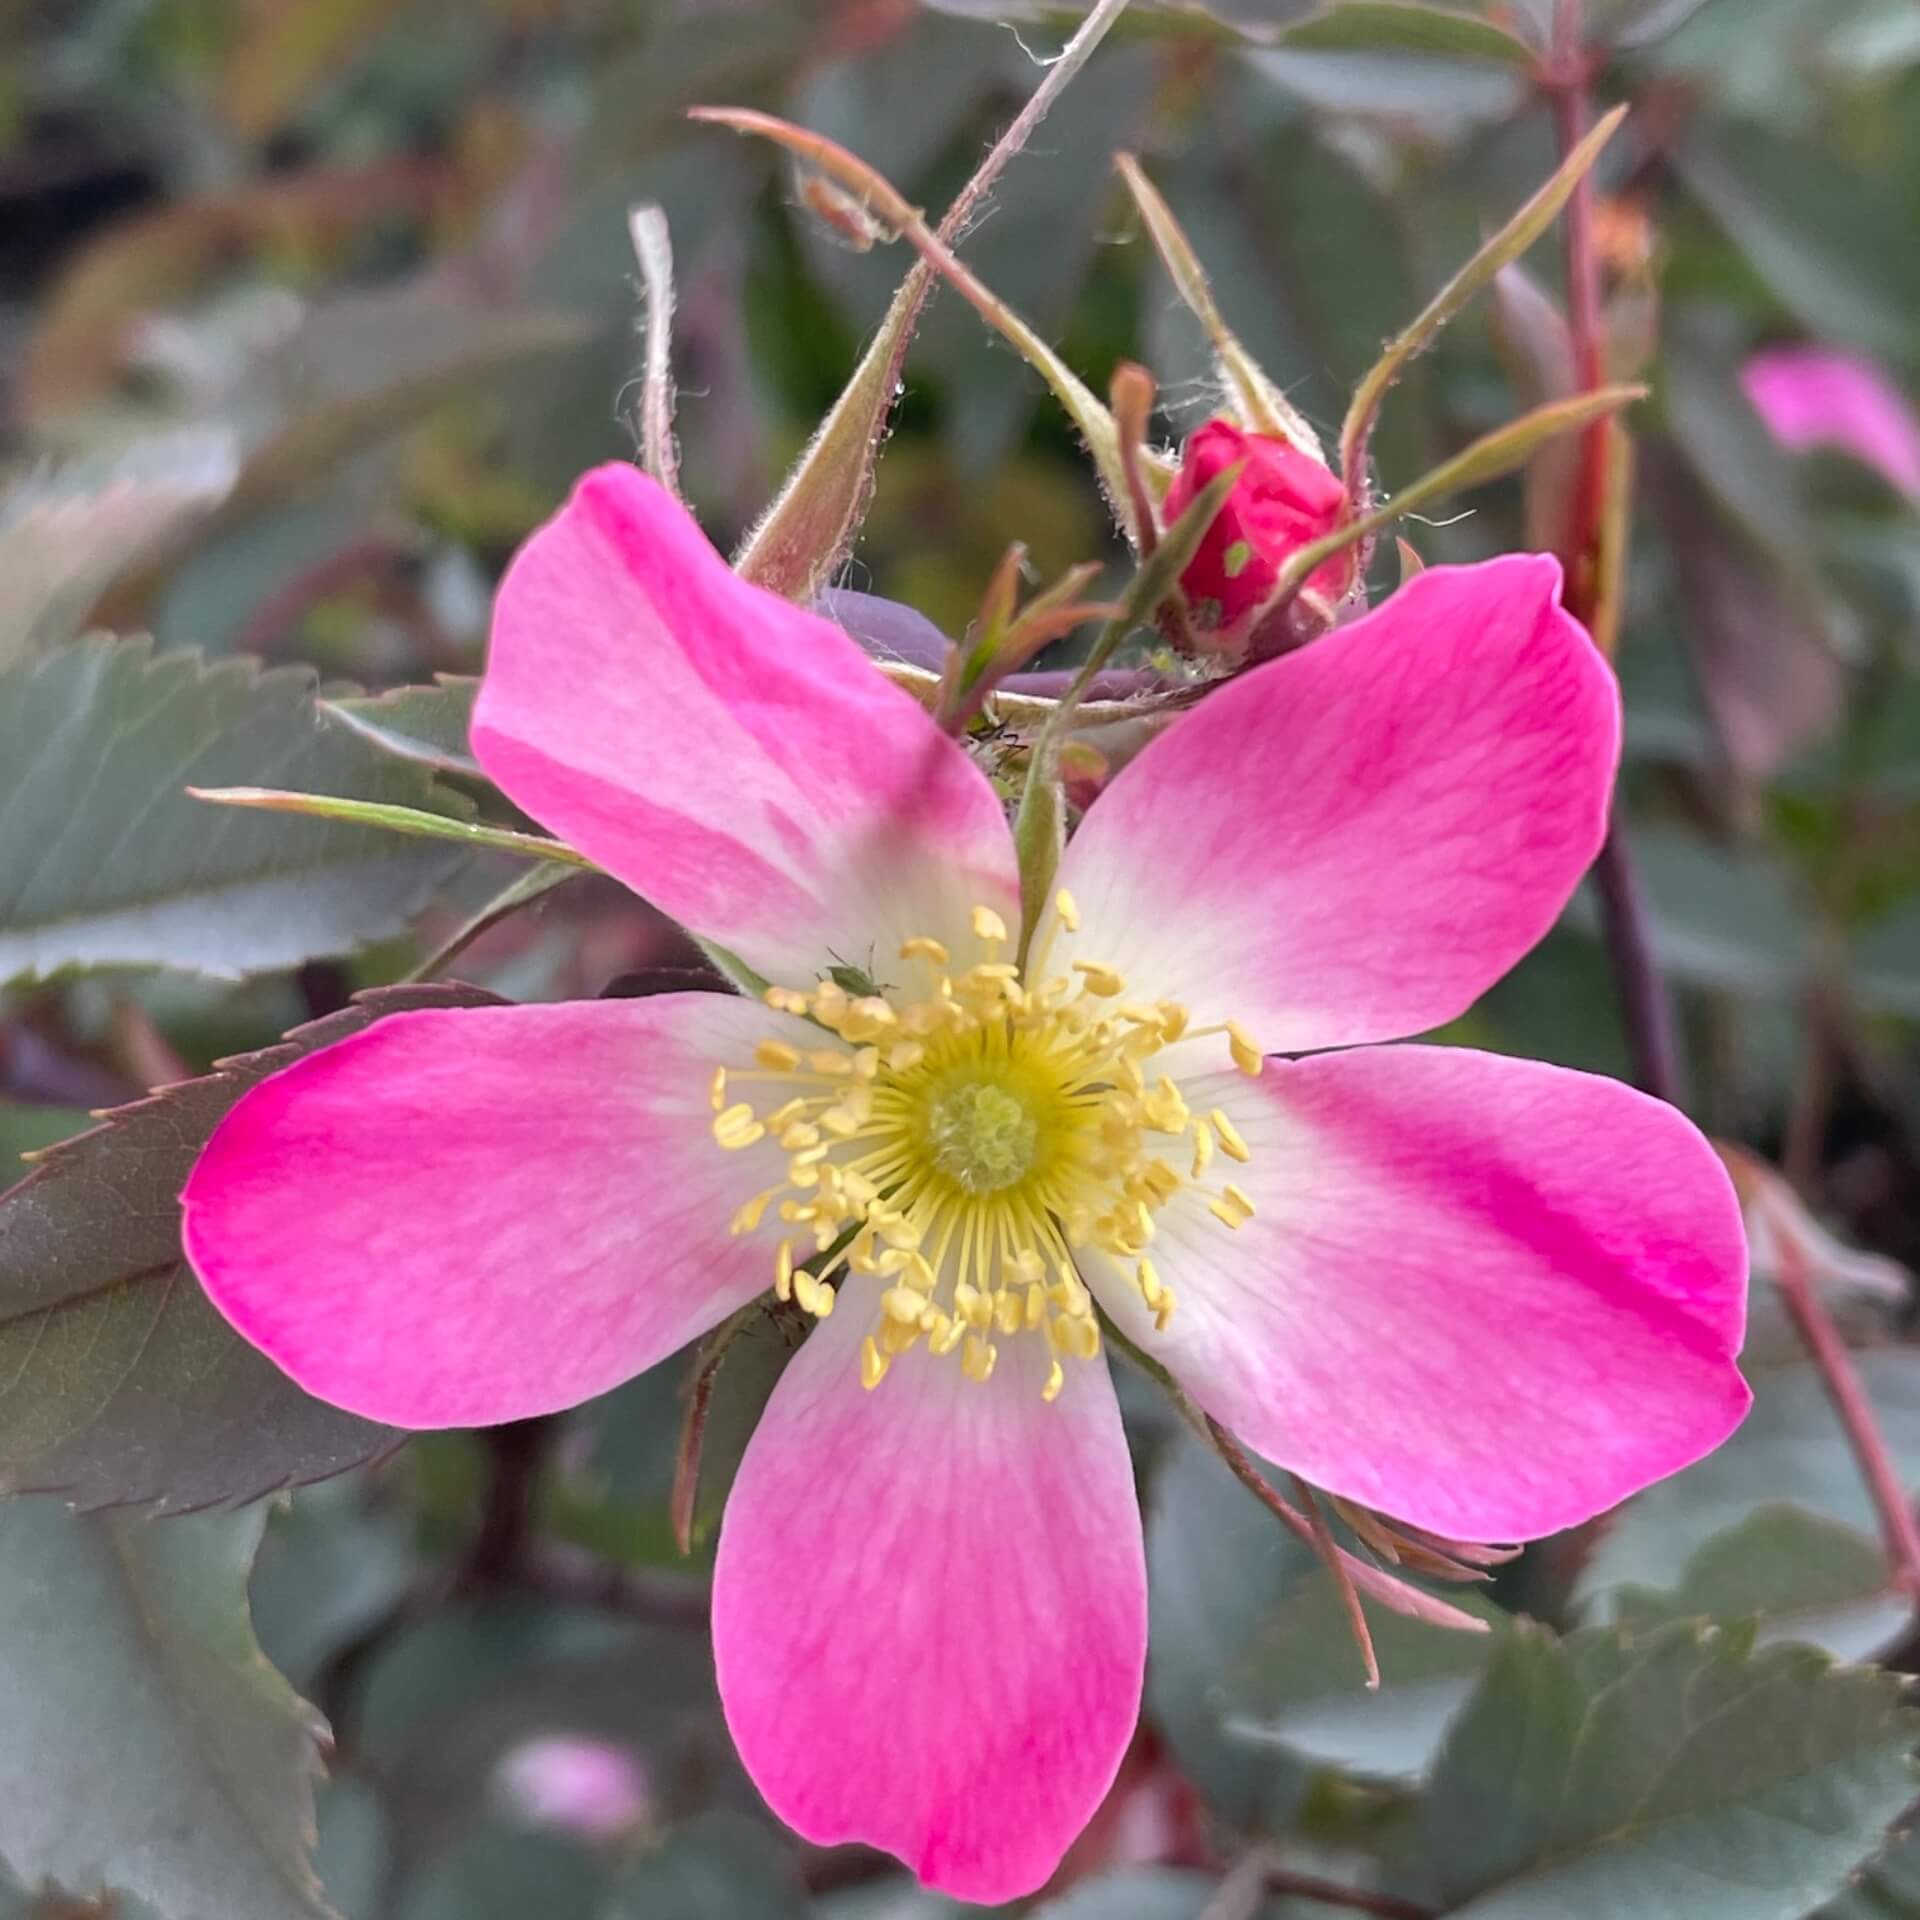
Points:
(1646, 1005)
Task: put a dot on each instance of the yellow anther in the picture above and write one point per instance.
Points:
(1028, 1265)
(747, 1217)
(1151, 1289)
(1068, 909)
(866, 1064)
(1164, 1312)
(946, 1334)
(873, 1363)
(776, 1056)
(1231, 1142)
(1233, 1208)
(895, 1337)
(1036, 1305)
(1246, 1055)
(783, 1271)
(904, 1305)
(1008, 1311)
(1100, 980)
(1173, 1020)
(987, 925)
(920, 947)
(905, 1056)
(785, 1000)
(824, 1295)
(717, 1088)
(1056, 1379)
(799, 1135)
(836, 1066)
(977, 1357)
(737, 1127)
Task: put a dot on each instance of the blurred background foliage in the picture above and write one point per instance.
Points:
(311, 309)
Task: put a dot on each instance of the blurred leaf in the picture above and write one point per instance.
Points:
(718, 1867)
(25, 1128)
(105, 860)
(1215, 1563)
(67, 534)
(1135, 1893)
(1442, 98)
(1832, 244)
(333, 1562)
(1536, 347)
(119, 1382)
(1798, 1576)
(1767, 672)
(1682, 1774)
(427, 725)
(1885, 970)
(744, 1375)
(284, 54)
(367, 366)
(143, 1738)
(1299, 1685)
(1721, 917)
(512, 1874)
(1790, 1448)
(155, 260)
(1389, 26)
(1889, 1888)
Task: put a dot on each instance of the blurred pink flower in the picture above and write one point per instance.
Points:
(1812, 396)
(594, 1788)
(1486, 1296)
(1283, 500)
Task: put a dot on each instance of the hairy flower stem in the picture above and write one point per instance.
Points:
(1646, 1003)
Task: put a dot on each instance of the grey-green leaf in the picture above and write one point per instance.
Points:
(1682, 1774)
(144, 1740)
(427, 725)
(119, 1383)
(106, 861)
(1799, 1575)
(66, 534)
(1790, 1447)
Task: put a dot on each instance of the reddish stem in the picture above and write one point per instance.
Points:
(1818, 1334)
(1646, 1005)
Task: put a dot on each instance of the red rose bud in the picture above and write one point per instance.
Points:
(1283, 500)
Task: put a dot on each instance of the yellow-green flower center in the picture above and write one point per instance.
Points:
(960, 1141)
(982, 1135)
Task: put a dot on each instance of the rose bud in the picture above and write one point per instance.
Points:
(1283, 500)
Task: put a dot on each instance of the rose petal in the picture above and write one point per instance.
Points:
(1486, 1296)
(733, 758)
(1812, 396)
(463, 1216)
(929, 1610)
(1353, 842)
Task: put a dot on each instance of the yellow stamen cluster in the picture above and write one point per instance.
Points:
(960, 1143)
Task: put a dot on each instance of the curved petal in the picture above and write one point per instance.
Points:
(460, 1216)
(1353, 842)
(733, 758)
(1813, 396)
(929, 1609)
(1486, 1296)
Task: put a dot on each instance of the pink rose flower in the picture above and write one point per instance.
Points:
(594, 1788)
(1813, 396)
(1485, 1296)
(1283, 500)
